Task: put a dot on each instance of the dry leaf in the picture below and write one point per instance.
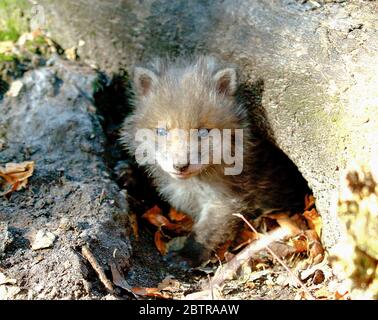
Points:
(342, 295)
(314, 220)
(222, 250)
(155, 217)
(289, 225)
(169, 284)
(160, 243)
(149, 292)
(309, 202)
(16, 175)
(176, 216)
(118, 279)
(245, 237)
(318, 277)
(181, 228)
(316, 250)
(299, 244)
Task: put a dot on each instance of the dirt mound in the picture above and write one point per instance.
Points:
(70, 199)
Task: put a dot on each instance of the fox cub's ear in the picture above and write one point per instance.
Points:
(225, 81)
(144, 80)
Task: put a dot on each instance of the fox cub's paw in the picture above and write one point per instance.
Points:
(194, 253)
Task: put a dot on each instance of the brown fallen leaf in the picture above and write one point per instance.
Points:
(176, 216)
(314, 220)
(244, 237)
(150, 292)
(155, 217)
(169, 284)
(160, 244)
(16, 175)
(316, 250)
(222, 250)
(309, 202)
(318, 277)
(299, 243)
(119, 279)
(342, 295)
(182, 227)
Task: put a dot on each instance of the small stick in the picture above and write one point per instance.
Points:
(230, 268)
(211, 287)
(277, 257)
(87, 254)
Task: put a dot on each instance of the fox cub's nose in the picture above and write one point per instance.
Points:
(181, 167)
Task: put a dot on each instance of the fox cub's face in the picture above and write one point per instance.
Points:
(180, 116)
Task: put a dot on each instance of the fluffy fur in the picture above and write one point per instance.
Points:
(196, 94)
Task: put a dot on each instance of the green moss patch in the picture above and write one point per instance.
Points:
(13, 21)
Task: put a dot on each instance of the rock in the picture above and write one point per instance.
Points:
(43, 239)
(313, 70)
(48, 122)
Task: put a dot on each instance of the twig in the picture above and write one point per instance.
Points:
(87, 254)
(230, 268)
(277, 257)
(211, 287)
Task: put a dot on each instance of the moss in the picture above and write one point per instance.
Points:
(13, 21)
(7, 57)
(38, 45)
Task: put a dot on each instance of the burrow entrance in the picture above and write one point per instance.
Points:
(148, 267)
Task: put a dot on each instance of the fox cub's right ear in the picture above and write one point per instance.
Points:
(144, 80)
(226, 82)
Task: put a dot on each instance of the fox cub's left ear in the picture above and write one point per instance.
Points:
(144, 80)
(226, 81)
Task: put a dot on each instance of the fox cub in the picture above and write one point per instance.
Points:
(197, 142)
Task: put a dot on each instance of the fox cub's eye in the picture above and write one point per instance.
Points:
(203, 133)
(161, 132)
